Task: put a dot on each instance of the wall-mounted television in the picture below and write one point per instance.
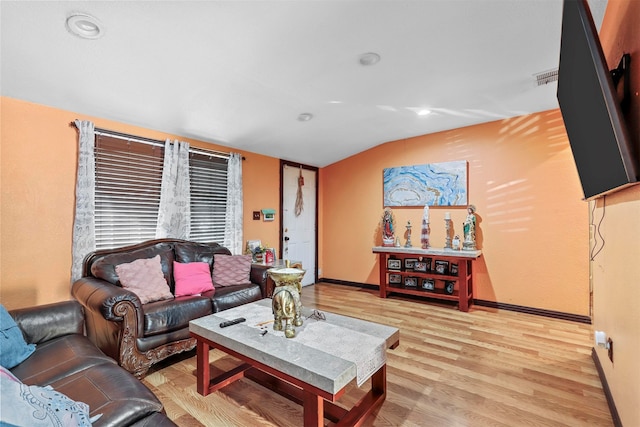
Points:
(604, 153)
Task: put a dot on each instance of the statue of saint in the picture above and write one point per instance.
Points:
(469, 228)
(388, 236)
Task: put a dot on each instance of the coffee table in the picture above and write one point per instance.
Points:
(313, 369)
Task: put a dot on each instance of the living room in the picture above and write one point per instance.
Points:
(535, 227)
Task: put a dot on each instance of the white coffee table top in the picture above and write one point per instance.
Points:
(327, 354)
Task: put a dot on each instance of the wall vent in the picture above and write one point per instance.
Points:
(546, 77)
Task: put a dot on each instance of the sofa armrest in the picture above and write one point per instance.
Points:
(259, 277)
(101, 297)
(110, 313)
(44, 322)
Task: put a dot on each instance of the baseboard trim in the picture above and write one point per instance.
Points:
(605, 388)
(536, 311)
(491, 304)
(346, 283)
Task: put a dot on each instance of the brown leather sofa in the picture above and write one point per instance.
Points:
(139, 335)
(65, 359)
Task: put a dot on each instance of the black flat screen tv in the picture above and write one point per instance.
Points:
(604, 153)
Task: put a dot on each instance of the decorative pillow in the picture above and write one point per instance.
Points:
(144, 277)
(34, 406)
(191, 278)
(13, 348)
(231, 269)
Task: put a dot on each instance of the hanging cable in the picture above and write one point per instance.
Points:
(594, 254)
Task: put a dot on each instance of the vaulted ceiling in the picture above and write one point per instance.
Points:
(239, 73)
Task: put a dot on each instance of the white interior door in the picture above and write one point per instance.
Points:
(299, 232)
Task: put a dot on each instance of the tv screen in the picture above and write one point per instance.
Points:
(599, 139)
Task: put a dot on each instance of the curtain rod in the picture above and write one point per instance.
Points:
(155, 142)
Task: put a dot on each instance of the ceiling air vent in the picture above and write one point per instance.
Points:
(546, 77)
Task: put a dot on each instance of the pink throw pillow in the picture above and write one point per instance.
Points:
(192, 278)
(144, 277)
(231, 269)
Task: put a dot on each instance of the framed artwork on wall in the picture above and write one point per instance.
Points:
(435, 184)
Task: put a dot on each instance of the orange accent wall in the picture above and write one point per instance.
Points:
(616, 284)
(533, 223)
(37, 177)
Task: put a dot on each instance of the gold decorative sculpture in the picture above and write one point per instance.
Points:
(287, 308)
(286, 304)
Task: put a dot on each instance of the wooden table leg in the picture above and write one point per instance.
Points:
(313, 409)
(203, 375)
(463, 285)
(369, 402)
(383, 275)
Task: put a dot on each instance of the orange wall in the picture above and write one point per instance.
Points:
(616, 284)
(37, 176)
(523, 181)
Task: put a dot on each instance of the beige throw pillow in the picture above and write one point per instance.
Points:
(231, 269)
(144, 277)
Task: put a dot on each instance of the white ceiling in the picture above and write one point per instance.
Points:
(238, 73)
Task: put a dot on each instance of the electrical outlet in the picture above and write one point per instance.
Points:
(256, 215)
(610, 347)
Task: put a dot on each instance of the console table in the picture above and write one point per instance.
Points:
(443, 274)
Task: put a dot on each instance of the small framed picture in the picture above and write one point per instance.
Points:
(442, 267)
(409, 263)
(428, 284)
(395, 279)
(269, 256)
(453, 270)
(420, 266)
(429, 263)
(394, 264)
(252, 245)
(448, 287)
(411, 282)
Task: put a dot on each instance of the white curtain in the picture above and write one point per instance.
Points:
(84, 240)
(174, 213)
(233, 216)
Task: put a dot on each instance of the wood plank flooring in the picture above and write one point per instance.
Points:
(483, 368)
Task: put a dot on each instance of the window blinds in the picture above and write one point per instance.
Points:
(128, 181)
(208, 177)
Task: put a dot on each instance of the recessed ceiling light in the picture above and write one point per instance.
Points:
(305, 117)
(368, 59)
(84, 26)
(424, 112)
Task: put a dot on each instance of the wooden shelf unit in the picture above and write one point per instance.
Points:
(463, 281)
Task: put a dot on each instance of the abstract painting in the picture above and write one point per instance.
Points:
(435, 184)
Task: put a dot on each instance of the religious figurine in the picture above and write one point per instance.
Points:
(469, 228)
(408, 244)
(426, 230)
(456, 242)
(387, 224)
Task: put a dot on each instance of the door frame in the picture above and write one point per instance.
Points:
(284, 163)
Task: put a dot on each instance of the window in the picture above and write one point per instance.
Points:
(128, 181)
(208, 181)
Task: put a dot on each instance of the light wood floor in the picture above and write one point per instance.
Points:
(482, 368)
